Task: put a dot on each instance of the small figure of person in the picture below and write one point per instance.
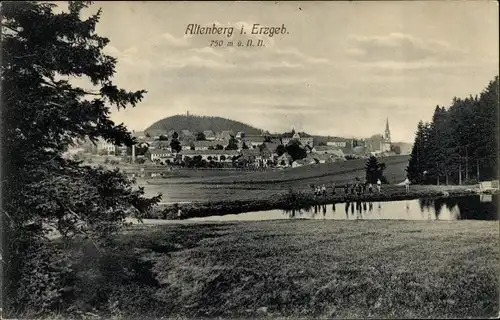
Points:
(370, 188)
(346, 189)
(379, 184)
(333, 188)
(407, 184)
(323, 190)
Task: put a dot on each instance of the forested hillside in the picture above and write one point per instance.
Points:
(460, 144)
(202, 123)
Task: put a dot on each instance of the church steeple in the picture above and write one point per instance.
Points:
(387, 135)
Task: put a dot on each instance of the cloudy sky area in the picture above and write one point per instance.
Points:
(342, 69)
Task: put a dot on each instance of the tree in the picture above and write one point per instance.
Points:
(295, 150)
(280, 150)
(43, 112)
(374, 170)
(460, 142)
(200, 136)
(244, 146)
(267, 138)
(175, 145)
(175, 135)
(233, 144)
(219, 147)
(163, 138)
(396, 149)
(262, 147)
(147, 135)
(222, 158)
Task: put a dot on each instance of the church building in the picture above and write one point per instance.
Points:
(386, 145)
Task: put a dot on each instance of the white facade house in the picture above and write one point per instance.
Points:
(338, 144)
(305, 141)
(105, 145)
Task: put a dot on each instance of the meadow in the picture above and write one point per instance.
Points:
(292, 269)
(198, 185)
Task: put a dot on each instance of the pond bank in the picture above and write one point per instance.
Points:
(299, 199)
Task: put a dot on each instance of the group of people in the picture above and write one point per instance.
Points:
(357, 188)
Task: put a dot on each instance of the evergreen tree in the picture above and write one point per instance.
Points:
(175, 145)
(416, 163)
(233, 144)
(200, 136)
(295, 150)
(280, 150)
(460, 143)
(43, 113)
(374, 170)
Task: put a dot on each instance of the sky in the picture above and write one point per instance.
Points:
(340, 69)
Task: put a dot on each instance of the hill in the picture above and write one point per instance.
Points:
(201, 123)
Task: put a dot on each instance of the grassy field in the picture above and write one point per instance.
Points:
(291, 269)
(258, 185)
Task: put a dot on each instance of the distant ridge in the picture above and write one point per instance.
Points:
(195, 123)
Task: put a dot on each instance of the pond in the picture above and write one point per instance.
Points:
(478, 207)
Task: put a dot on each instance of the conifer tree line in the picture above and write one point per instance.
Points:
(460, 144)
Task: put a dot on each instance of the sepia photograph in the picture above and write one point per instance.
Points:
(249, 160)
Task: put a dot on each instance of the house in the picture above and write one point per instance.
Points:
(239, 134)
(225, 135)
(204, 145)
(327, 150)
(161, 145)
(323, 158)
(209, 135)
(186, 135)
(104, 146)
(211, 155)
(284, 160)
(338, 142)
(303, 140)
(161, 155)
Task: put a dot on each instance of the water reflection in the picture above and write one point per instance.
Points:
(459, 208)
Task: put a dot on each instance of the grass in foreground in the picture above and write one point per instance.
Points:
(335, 269)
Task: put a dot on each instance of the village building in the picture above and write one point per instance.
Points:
(305, 141)
(284, 160)
(224, 135)
(104, 146)
(209, 135)
(239, 135)
(338, 142)
(186, 135)
(162, 155)
(204, 145)
(159, 144)
(379, 143)
(211, 155)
